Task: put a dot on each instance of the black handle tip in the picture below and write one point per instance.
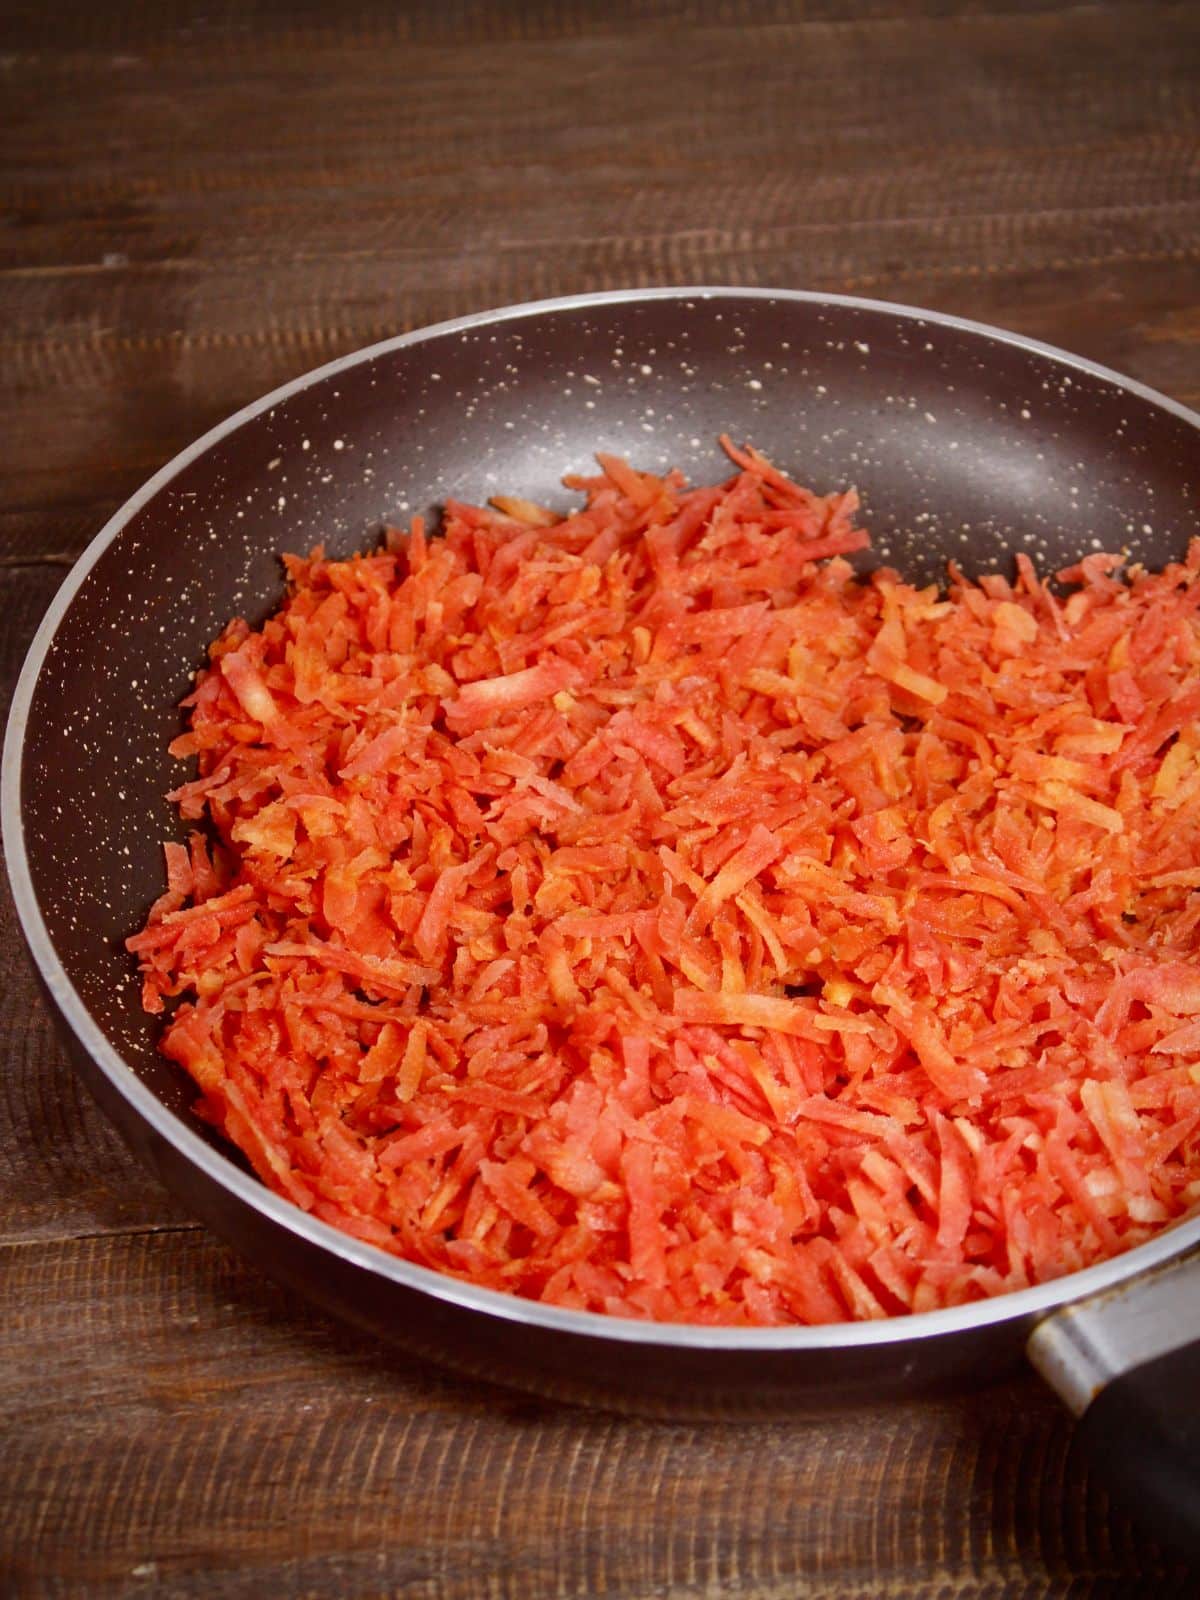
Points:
(1141, 1434)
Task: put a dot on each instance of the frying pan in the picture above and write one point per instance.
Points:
(964, 441)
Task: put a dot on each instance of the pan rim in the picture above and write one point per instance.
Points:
(1018, 1306)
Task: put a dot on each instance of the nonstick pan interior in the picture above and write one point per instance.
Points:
(965, 445)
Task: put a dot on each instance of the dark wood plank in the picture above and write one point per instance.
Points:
(753, 130)
(167, 1379)
(309, 24)
(1037, 169)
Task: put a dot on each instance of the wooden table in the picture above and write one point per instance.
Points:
(202, 200)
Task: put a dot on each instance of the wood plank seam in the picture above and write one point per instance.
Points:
(87, 1235)
(288, 338)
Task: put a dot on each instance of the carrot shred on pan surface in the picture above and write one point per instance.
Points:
(638, 911)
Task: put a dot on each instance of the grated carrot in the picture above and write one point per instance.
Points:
(637, 910)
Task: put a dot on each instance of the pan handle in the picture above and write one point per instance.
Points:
(1127, 1364)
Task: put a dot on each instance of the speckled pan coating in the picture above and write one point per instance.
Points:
(965, 444)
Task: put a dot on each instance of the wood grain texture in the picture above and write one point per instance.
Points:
(174, 1381)
(199, 201)
(209, 218)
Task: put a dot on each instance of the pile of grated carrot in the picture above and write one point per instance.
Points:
(639, 911)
